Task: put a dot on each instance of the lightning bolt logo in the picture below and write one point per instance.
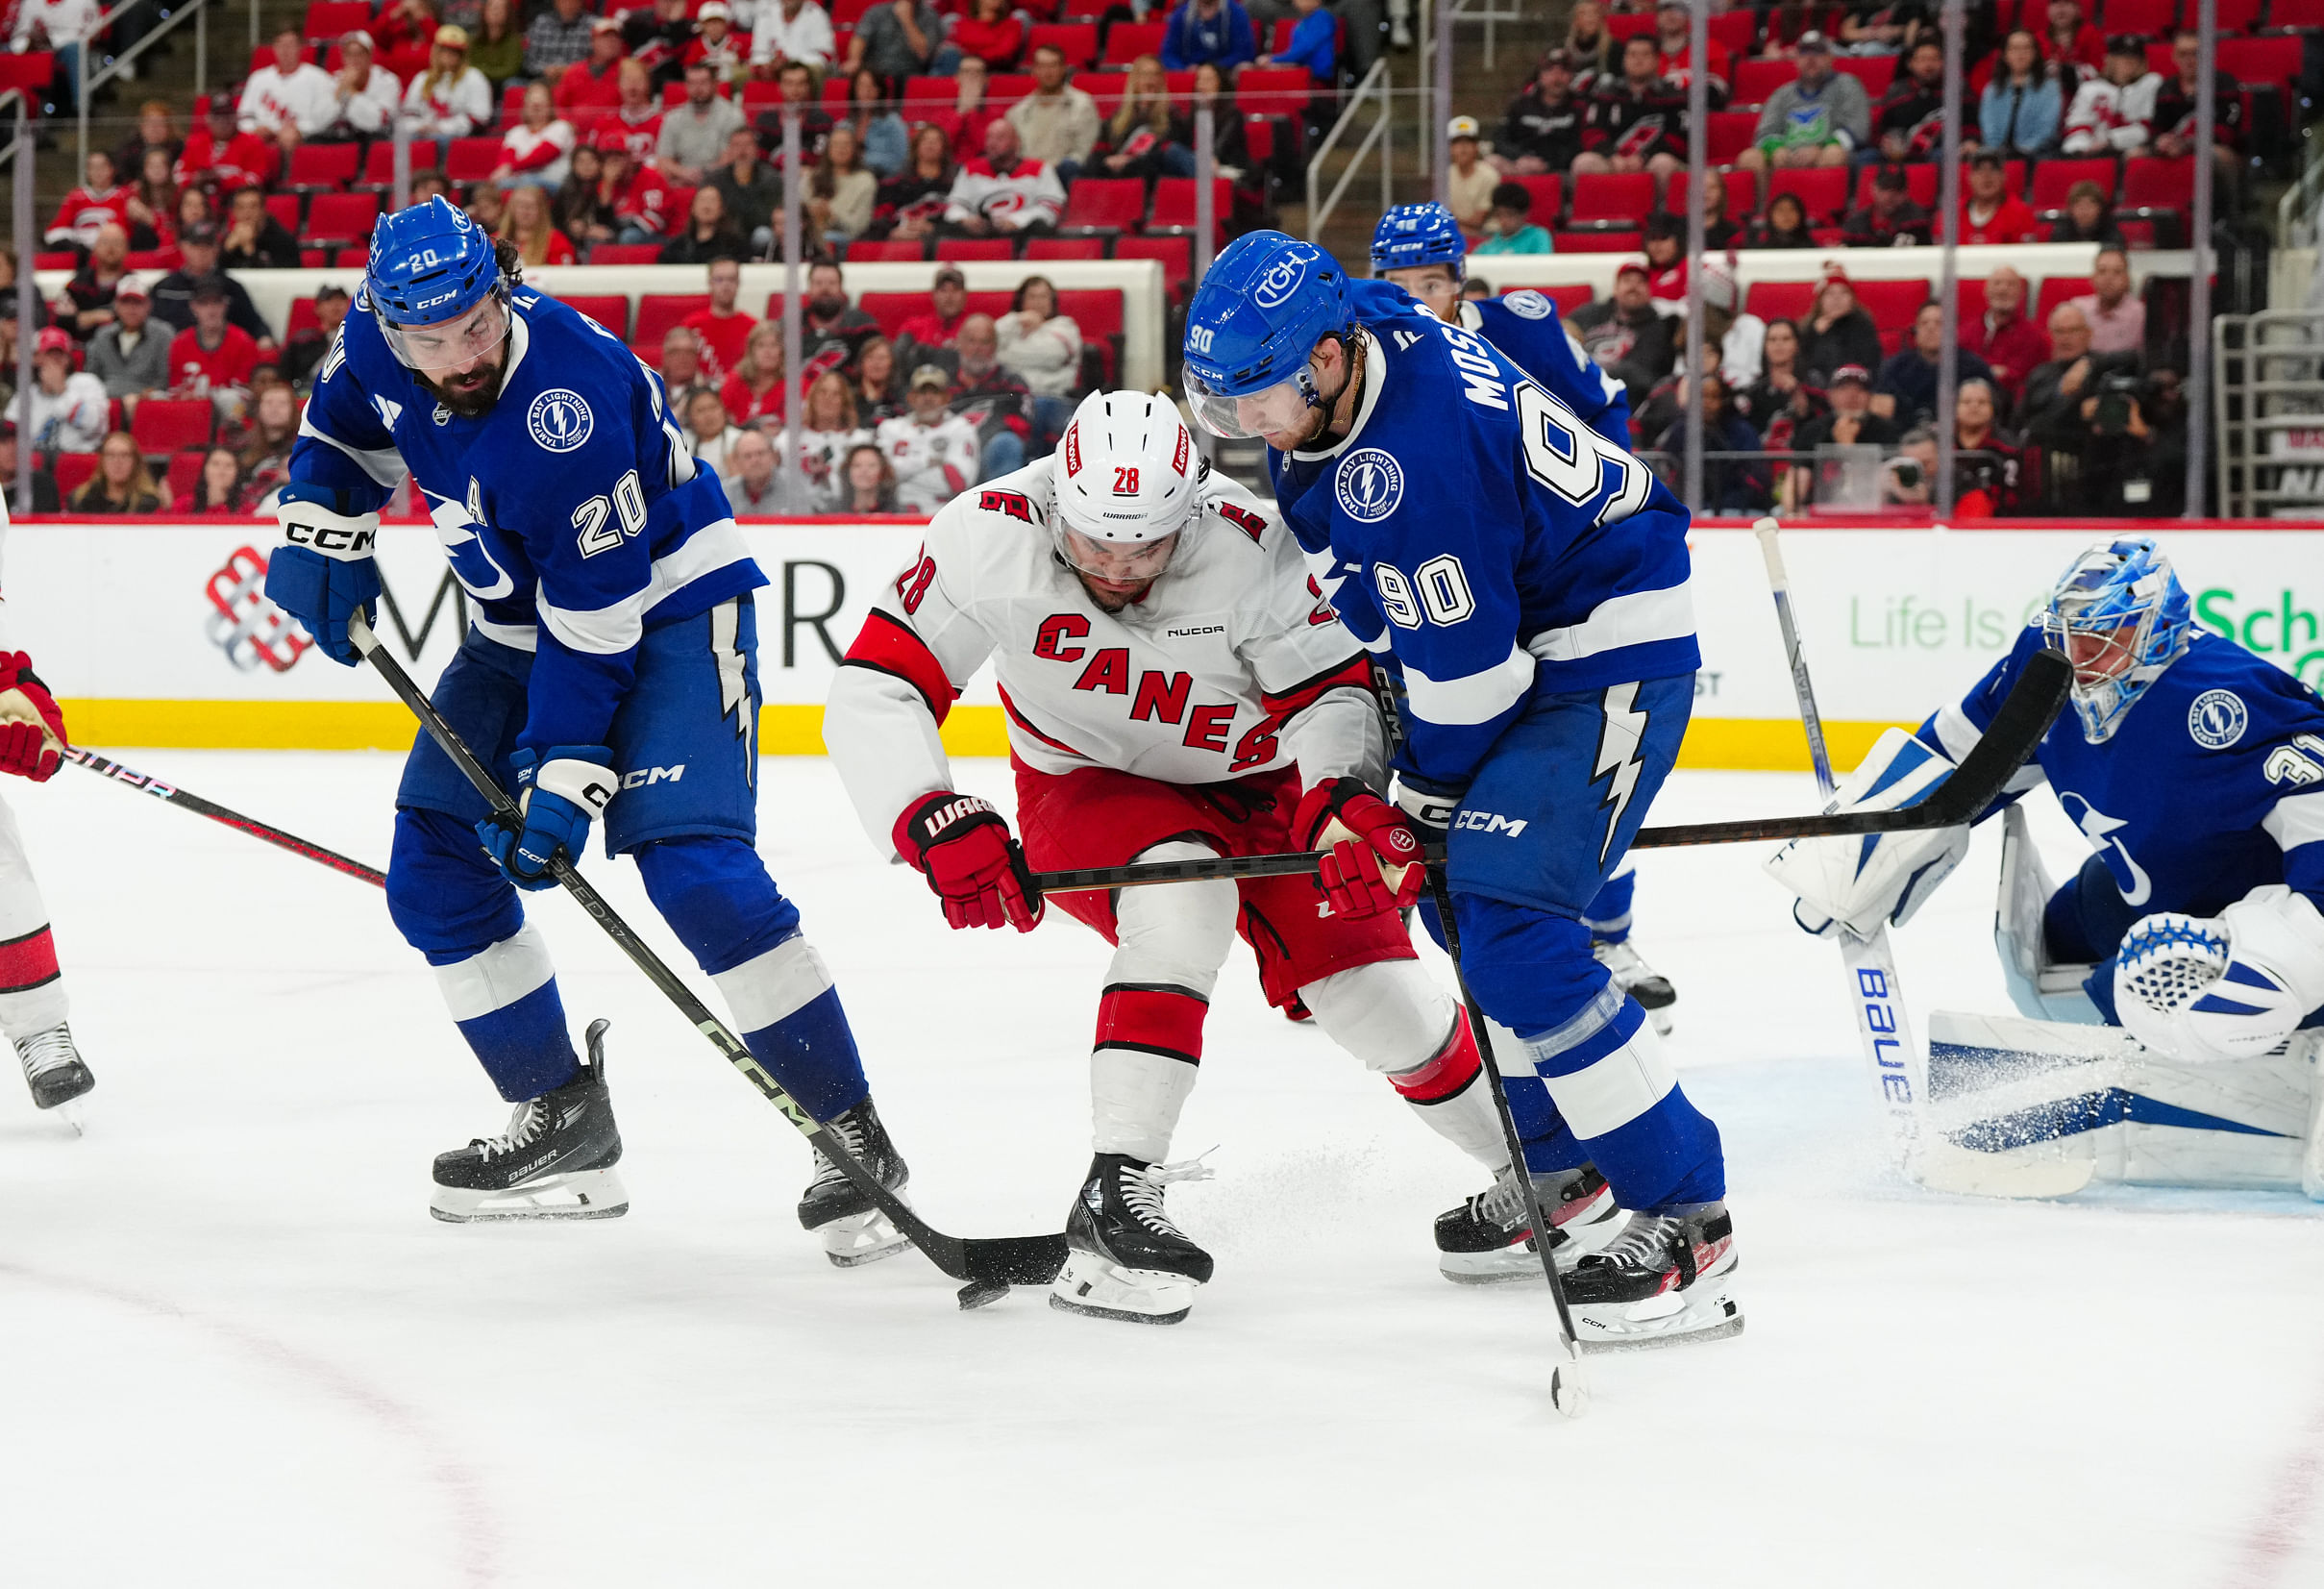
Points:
(1619, 738)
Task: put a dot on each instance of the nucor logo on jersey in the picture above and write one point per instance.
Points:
(1487, 822)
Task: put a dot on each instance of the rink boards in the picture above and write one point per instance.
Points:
(160, 634)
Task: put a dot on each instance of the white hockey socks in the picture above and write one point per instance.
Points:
(32, 986)
(1169, 944)
(1394, 1017)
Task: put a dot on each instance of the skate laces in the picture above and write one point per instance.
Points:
(1643, 1242)
(525, 1127)
(850, 1137)
(1500, 1203)
(1142, 1189)
(47, 1050)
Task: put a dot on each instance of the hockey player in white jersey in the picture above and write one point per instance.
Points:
(1171, 679)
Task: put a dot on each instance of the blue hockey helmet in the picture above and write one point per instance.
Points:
(431, 265)
(1415, 234)
(1265, 302)
(2120, 617)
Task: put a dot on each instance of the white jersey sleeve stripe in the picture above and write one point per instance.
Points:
(1639, 618)
(2296, 820)
(1956, 735)
(602, 631)
(1474, 698)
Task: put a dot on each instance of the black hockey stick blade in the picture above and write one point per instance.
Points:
(170, 793)
(1008, 1261)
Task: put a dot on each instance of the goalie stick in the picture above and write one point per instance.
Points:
(194, 803)
(990, 1265)
(2033, 703)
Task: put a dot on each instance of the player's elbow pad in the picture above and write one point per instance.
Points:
(1855, 884)
(2230, 987)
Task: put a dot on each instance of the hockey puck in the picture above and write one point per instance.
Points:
(979, 1293)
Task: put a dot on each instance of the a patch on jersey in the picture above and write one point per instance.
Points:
(1370, 485)
(2218, 719)
(559, 420)
(1529, 304)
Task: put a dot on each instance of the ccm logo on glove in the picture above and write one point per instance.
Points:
(337, 539)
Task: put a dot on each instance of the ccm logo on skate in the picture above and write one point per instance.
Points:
(328, 538)
(1880, 1018)
(1485, 822)
(640, 777)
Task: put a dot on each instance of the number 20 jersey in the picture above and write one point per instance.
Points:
(1474, 528)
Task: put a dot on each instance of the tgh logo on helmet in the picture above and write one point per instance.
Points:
(1282, 279)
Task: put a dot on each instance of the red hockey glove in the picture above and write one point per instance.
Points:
(32, 726)
(962, 846)
(1374, 861)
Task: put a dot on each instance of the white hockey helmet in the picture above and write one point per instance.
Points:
(1127, 470)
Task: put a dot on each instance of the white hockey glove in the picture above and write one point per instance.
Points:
(1854, 885)
(2228, 988)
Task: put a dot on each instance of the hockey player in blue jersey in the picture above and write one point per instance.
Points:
(2195, 769)
(1419, 248)
(610, 675)
(1529, 583)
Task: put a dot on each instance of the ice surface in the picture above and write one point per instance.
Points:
(235, 1349)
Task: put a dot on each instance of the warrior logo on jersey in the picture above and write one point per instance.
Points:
(1529, 304)
(1370, 485)
(559, 420)
(2218, 719)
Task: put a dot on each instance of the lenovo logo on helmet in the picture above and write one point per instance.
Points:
(1073, 450)
(1178, 459)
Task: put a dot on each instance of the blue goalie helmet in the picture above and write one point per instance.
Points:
(432, 265)
(2120, 617)
(1263, 306)
(1415, 234)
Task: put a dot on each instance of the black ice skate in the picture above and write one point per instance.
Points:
(1663, 1279)
(52, 1067)
(852, 1228)
(1124, 1258)
(555, 1160)
(1641, 982)
(1487, 1238)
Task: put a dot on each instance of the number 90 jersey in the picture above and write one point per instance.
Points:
(1473, 528)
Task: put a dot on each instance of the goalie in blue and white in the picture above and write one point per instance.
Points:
(1419, 248)
(2195, 772)
(1527, 583)
(610, 675)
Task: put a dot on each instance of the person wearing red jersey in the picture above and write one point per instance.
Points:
(724, 330)
(221, 156)
(1174, 690)
(715, 41)
(1988, 213)
(646, 207)
(88, 208)
(589, 88)
(212, 359)
(637, 116)
(1674, 44)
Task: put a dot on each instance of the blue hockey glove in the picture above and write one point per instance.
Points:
(323, 571)
(560, 796)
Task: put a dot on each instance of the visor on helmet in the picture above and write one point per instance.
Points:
(1269, 410)
(1121, 562)
(451, 344)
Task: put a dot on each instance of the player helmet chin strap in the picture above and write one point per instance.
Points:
(1352, 359)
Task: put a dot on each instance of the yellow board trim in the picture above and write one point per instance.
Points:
(1758, 743)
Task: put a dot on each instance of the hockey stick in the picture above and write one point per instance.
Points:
(195, 804)
(2033, 703)
(990, 1265)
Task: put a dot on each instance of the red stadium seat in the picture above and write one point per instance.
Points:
(1613, 200)
(2056, 290)
(2155, 183)
(1968, 300)
(1730, 132)
(2238, 16)
(1548, 195)
(609, 310)
(1078, 39)
(2147, 18)
(352, 259)
(1893, 304)
(56, 258)
(1084, 10)
(1742, 193)
(1273, 90)
(1822, 188)
(1597, 242)
(1062, 248)
(659, 312)
(321, 167)
(1756, 78)
(891, 310)
(2295, 14)
(302, 316)
(1874, 71)
(1104, 204)
(1178, 257)
(1175, 199)
(1737, 30)
(472, 159)
(184, 469)
(1624, 26)
(512, 104)
(903, 250)
(153, 258)
(625, 254)
(1129, 41)
(285, 208)
(976, 248)
(846, 14)
(1567, 296)
(2053, 179)
(73, 470)
(2273, 61)
(313, 258)
(164, 425)
(342, 217)
(330, 20)
(378, 163)
(1779, 300)
(1096, 310)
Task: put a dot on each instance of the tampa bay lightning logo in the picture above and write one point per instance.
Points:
(1529, 304)
(1370, 485)
(1283, 278)
(2218, 719)
(559, 420)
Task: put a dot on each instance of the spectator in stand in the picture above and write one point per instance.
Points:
(44, 498)
(638, 117)
(155, 130)
(264, 462)
(1635, 121)
(754, 488)
(8, 309)
(215, 358)
(896, 40)
(1785, 225)
(2113, 113)
(1665, 245)
(716, 44)
(931, 449)
(528, 225)
(643, 209)
(431, 185)
(1906, 388)
(1056, 124)
(2133, 454)
(1213, 31)
(174, 293)
(1909, 480)
(840, 191)
(1990, 213)
(131, 355)
(1891, 220)
(451, 99)
(796, 84)
(709, 433)
(584, 205)
(1137, 136)
(911, 203)
(60, 26)
(1780, 400)
(2175, 117)
(220, 156)
(562, 35)
(710, 234)
(2070, 45)
(153, 203)
(68, 409)
(1817, 118)
(752, 189)
(363, 94)
(1886, 27)
(755, 394)
(1314, 44)
(405, 33)
(973, 110)
(121, 484)
(1006, 193)
(498, 48)
(867, 485)
(1673, 38)
(1043, 349)
(254, 240)
(878, 391)
(1509, 231)
(1787, 24)
(2010, 344)
(1742, 484)
(2117, 316)
(1626, 336)
(928, 337)
(487, 206)
(723, 328)
(1839, 332)
(829, 327)
(217, 490)
(89, 294)
(828, 432)
(592, 83)
(885, 140)
(1468, 185)
(1989, 468)
(1541, 130)
(1719, 232)
(290, 99)
(2052, 404)
(791, 29)
(989, 31)
(2023, 106)
(1588, 46)
(681, 374)
(538, 151)
(100, 201)
(2088, 218)
(304, 351)
(1909, 127)
(657, 38)
(1667, 399)
(1230, 151)
(192, 209)
(1850, 423)
(694, 136)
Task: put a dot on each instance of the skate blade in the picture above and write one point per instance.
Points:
(1095, 1289)
(582, 1194)
(1712, 1315)
(69, 1111)
(1597, 1224)
(858, 1240)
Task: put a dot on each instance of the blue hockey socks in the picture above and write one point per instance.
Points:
(1607, 917)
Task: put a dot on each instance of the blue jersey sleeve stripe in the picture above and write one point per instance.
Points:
(1472, 698)
(2296, 820)
(384, 464)
(1639, 618)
